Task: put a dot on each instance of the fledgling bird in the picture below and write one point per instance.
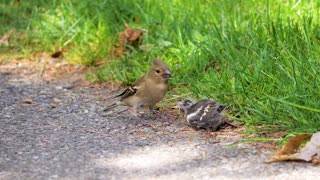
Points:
(149, 89)
(205, 114)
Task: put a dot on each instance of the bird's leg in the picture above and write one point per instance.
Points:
(151, 112)
(135, 110)
(233, 123)
(156, 112)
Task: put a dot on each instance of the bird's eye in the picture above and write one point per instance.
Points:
(158, 71)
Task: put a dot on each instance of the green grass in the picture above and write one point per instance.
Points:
(261, 57)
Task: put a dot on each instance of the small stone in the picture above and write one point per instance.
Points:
(35, 157)
(57, 100)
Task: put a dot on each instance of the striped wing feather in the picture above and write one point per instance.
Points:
(206, 114)
(127, 92)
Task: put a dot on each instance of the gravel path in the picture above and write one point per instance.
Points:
(49, 131)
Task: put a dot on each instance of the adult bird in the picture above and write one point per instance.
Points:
(149, 89)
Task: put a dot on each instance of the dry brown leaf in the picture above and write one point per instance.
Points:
(316, 161)
(130, 37)
(293, 144)
(309, 153)
(135, 35)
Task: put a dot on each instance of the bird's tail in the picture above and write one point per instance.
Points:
(234, 123)
(110, 106)
(223, 107)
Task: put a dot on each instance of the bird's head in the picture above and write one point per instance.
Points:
(160, 69)
(185, 105)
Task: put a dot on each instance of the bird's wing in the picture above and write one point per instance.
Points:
(110, 106)
(205, 114)
(128, 92)
(212, 106)
(212, 117)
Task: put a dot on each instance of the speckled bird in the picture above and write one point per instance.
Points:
(205, 114)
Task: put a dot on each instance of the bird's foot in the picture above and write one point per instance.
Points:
(149, 116)
(158, 114)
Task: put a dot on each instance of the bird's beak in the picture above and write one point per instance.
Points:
(166, 74)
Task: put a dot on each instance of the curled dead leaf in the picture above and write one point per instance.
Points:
(293, 144)
(315, 161)
(131, 37)
(291, 151)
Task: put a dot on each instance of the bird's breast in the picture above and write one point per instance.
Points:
(162, 87)
(156, 93)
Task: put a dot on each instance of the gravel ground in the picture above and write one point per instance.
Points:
(49, 131)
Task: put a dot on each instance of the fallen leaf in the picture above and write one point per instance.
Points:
(27, 100)
(316, 160)
(131, 37)
(293, 144)
(309, 153)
